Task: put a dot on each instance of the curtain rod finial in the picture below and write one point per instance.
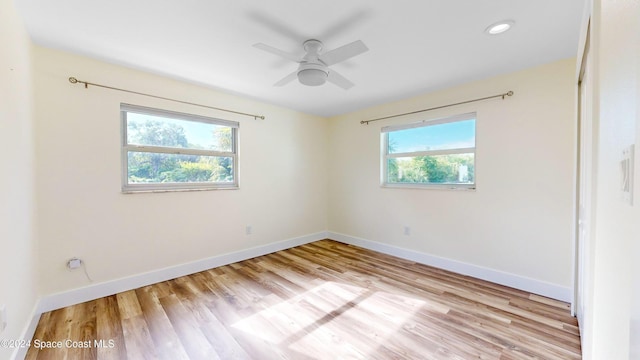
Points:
(73, 80)
(510, 93)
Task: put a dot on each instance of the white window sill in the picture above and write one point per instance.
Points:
(163, 190)
(454, 187)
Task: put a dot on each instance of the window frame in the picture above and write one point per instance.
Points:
(385, 156)
(175, 186)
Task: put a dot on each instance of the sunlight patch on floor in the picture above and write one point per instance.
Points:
(349, 321)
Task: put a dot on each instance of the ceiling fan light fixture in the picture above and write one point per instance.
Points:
(499, 27)
(312, 77)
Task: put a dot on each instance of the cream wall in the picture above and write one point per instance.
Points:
(18, 261)
(616, 274)
(519, 220)
(81, 212)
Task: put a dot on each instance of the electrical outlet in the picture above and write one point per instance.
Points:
(407, 230)
(3, 317)
(74, 263)
(249, 230)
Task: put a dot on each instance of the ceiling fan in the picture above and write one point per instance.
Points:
(314, 65)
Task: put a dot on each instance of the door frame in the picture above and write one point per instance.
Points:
(584, 182)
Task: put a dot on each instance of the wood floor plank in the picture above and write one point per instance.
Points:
(128, 304)
(137, 339)
(323, 300)
(161, 329)
(109, 341)
(195, 343)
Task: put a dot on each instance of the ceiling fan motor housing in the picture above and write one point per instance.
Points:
(312, 46)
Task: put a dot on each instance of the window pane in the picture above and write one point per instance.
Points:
(437, 169)
(151, 130)
(453, 135)
(150, 168)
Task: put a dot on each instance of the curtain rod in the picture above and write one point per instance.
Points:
(86, 85)
(509, 93)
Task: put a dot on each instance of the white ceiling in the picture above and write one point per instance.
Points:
(415, 46)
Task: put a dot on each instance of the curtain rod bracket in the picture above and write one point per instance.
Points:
(510, 93)
(73, 80)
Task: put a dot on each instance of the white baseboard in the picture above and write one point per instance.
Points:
(96, 291)
(499, 277)
(27, 333)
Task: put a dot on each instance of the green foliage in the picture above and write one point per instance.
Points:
(223, 138)
(188, 172)
(156, 133)
(439, 169)
(157, 167)
(392, 164)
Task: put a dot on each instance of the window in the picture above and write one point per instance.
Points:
(164, 150)
(432, 154)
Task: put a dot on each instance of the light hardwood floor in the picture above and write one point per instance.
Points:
(323, 300)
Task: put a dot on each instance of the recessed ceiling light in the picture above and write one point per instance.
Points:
(499, 27)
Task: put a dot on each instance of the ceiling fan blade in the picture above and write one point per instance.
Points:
(277, 25)
(287, 79)
(343, 25)
(343, 53)
(271, 49)
(339, 80)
